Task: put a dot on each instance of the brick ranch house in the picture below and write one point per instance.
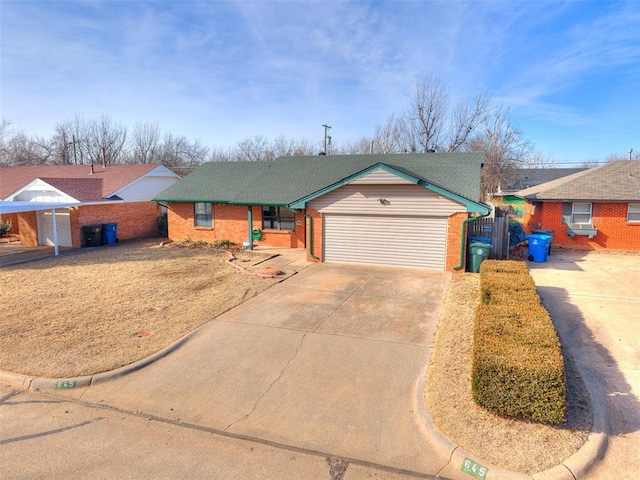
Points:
(593, 209)
(401, 210)
(81, 195)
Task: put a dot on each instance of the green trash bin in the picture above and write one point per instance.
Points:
(478, 252)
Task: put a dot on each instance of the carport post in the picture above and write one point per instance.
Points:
(55, 232)
(250, 229)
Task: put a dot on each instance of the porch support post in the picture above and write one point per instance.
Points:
(250, 227)
(55, 233)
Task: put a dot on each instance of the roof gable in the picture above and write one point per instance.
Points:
(112, 178)
(616, 181)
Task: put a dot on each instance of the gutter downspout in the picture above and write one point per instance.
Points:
(306, 215)
(250, 222)
(463, 237)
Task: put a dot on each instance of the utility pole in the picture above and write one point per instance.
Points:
(630, 152)
(326, 129)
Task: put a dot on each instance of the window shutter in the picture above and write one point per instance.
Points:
(566, 213)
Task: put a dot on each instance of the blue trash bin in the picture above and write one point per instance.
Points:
(109, 233)
(545, 232)
(539, 247)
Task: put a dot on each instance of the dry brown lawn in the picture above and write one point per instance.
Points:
(102, 309)
(512, 444)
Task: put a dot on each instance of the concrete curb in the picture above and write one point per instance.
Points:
(575, 467)
(28, 382)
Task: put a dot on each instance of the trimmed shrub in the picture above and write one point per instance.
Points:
(223, 244)
(518, 369)
(504, 266)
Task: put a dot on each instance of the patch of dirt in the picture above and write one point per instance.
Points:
(516, 445)
(98, 310)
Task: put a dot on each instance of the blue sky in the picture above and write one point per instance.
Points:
(221, 71)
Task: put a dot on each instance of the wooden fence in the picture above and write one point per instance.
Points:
(497, 229)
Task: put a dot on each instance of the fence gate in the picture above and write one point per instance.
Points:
(497, 229)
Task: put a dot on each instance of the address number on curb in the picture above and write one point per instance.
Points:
(66, 384)
(474, 469)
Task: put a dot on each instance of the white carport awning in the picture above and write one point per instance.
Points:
(19, 207)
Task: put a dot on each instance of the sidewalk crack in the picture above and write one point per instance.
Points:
(268, 389)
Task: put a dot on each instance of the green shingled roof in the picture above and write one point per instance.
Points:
(290, 179)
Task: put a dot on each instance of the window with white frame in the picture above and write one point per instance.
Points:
(581, 213)
(202, 215)
(633, 212)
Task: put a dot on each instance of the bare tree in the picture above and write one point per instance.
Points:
(426, 117)
(107, 141)
(222, 154)
(388, 137)
(254, 149)
(145, 143)
(538, 159)
(503, 146)
(180, 155)
(20, 149)
(465, 119)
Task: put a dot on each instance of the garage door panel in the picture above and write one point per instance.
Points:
(45, 228)
(377, 240)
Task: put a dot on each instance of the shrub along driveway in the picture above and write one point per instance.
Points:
(331, 360)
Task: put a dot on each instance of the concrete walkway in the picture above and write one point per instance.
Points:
(332, 360)
(594, 300)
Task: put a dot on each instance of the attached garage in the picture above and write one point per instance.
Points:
(382, 218)
(403, 241)
(63, 227)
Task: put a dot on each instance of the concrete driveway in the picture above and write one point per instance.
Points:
(594, 300)
(332, 361)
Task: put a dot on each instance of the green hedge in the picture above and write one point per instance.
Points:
(518, 369)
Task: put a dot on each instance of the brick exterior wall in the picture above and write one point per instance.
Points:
(454, 232)
(230, 223)
(614, 232)
(28, 226)
(317, 236)
(135, 220)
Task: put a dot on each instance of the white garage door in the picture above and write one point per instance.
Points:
(45, 228)
(379, 240)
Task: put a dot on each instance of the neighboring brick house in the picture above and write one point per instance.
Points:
(81, 195)
(401, 210)
(520, 178)
(593, 209)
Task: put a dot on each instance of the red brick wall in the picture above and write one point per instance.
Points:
(135, 220)
(454, 232)
(610, 219)
(230, 223)
(28, 226)
(316, 218)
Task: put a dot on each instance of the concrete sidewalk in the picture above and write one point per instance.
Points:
(594, 300)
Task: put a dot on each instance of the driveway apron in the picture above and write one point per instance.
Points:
(594, 300)
(331, 360)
